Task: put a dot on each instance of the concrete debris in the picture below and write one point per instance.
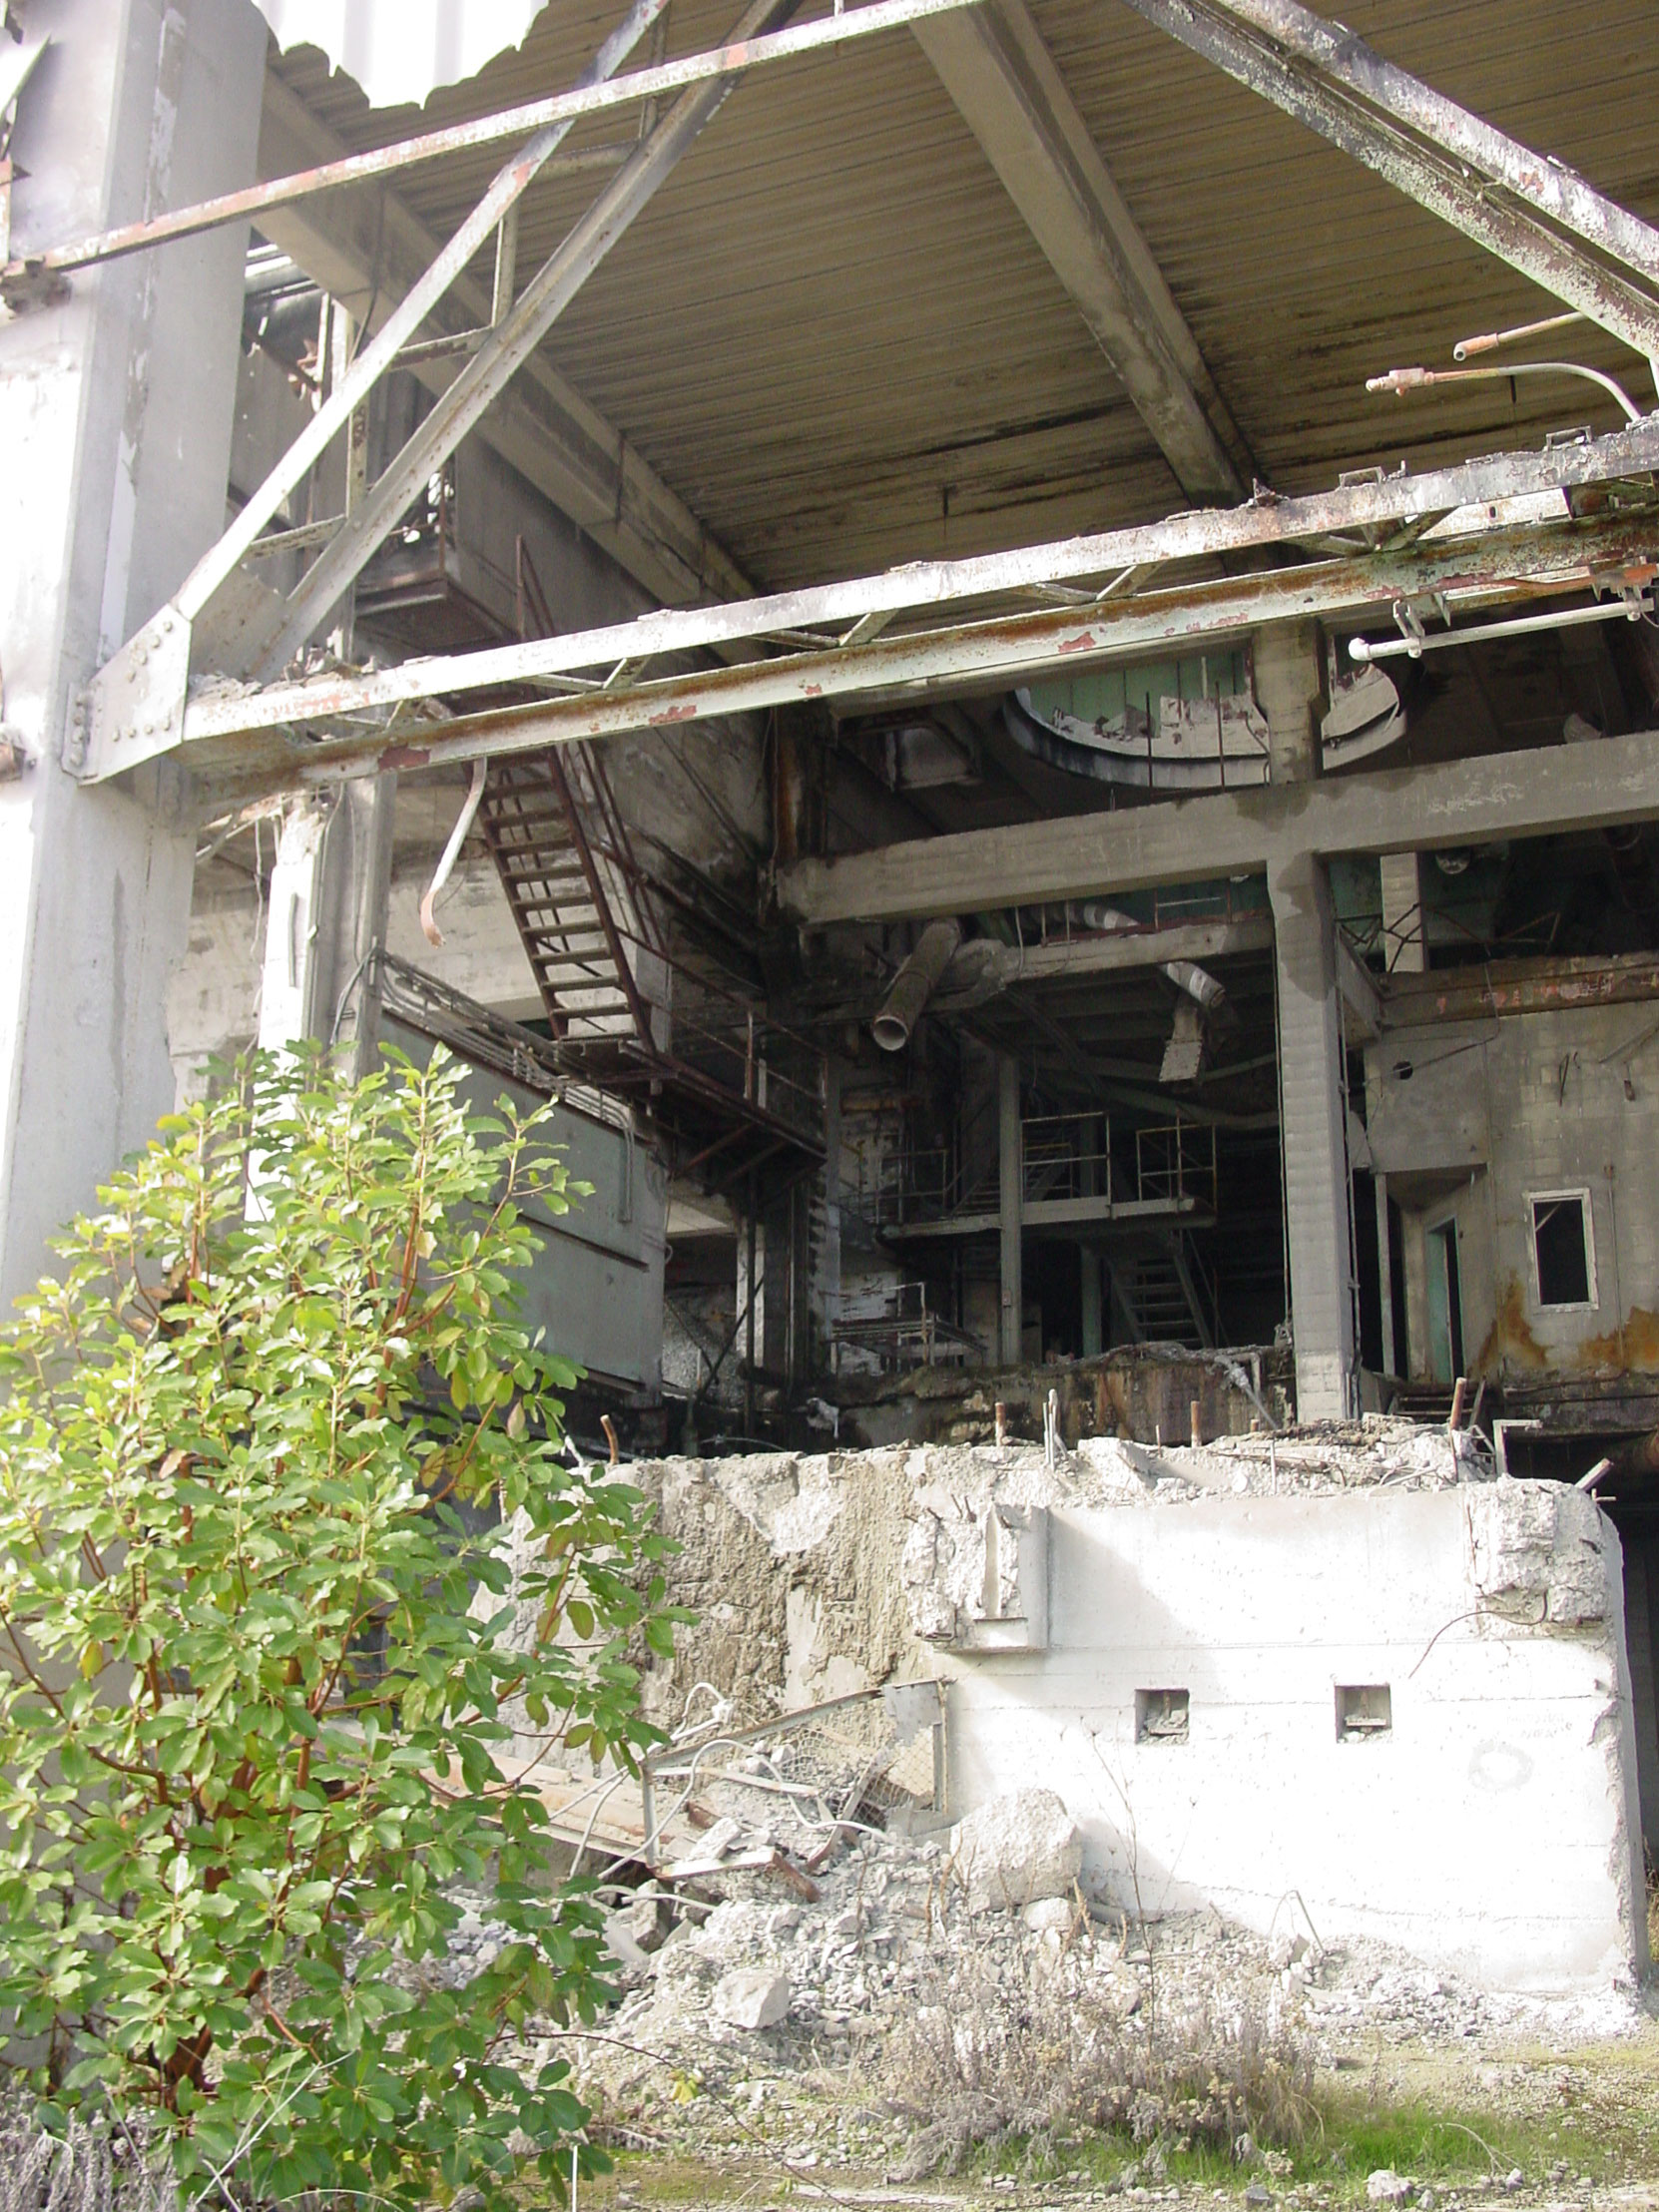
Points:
(751, 1997)
(1016, 1851)
(1384, 2186)
(897, 1931)
(1538, 1553)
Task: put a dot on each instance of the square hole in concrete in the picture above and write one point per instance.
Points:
(1364, 1710)
(1160, 1716)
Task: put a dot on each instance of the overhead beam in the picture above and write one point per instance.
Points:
(352, 381)
(921, 587)
(1522, 565)
(509, 344)
(1549, 186)
(303, 181)
(1140, 948)
(993, 63)
(1556, 790)
(1405, 142)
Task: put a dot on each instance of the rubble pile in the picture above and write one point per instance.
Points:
(752, 1992)
(1329, 1459)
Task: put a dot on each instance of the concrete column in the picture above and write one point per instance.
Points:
(1405, 935)
(330, 893)
(1011, 1180)
(116, 406)
(1313, 1139)
(1386, 1274)
(1289, 667)
(1089, 1258)
(827, 1261)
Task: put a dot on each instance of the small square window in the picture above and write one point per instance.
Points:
(1160, 1716)
(1563, 1248)
(1364, 1710)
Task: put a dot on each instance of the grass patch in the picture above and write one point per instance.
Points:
(1349, 2138)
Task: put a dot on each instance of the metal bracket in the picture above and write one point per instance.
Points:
(1410, 624)
(134, 708)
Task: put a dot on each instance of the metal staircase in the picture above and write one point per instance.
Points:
(726, 1091)
(1158, 1293)
(574, 888)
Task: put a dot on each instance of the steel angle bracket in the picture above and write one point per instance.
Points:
(134, 708)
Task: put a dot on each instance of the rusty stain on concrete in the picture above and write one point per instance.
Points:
(1509, 1341)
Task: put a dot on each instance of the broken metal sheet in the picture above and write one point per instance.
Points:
(400, 51)
(16, 62)
(1193, 745)
(1365, 717)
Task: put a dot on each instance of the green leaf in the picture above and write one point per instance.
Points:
(231, 1402)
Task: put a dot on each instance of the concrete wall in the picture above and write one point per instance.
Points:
(1490, 1832)
(1494, 1110)
(213, 1001)
(1493, 1832)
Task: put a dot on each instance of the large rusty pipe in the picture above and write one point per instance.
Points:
(914, 985)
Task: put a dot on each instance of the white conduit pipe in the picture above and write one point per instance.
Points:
(1630, 608)
(914, 985)
(451, 851)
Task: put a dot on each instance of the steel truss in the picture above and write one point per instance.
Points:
(942, 625)
(1531, 213)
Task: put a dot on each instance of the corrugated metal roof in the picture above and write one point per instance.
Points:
(398, 51)
(834, 336)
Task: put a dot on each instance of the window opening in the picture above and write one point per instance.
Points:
(1563, 1253)
(1364, 1710)
(1160, 1716)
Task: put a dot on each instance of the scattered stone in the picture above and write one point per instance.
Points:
(621, 1941)
(753, 1998)
(1050, 1915)
(1258, 2193)
(1384, 2186)
(1514, 2179)
(1018, 1850)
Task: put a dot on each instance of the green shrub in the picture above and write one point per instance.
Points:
(251, 1450)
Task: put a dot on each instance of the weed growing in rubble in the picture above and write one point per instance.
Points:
(252, 1448)
(1047, 2057)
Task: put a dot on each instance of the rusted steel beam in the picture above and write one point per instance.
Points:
(925, 586)
(488, 129)
(222, 734)
(163, 646)
(1400, 146)
(1546, 184)
(367, 249)
(1518, 988)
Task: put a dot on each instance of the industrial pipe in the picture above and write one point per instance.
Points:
(1402, 380)
(914, 985)
(452, 852)
(1196, 982)
(1631, 606)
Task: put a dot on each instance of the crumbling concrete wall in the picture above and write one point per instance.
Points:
(1490, 1827)
(790, 1565)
